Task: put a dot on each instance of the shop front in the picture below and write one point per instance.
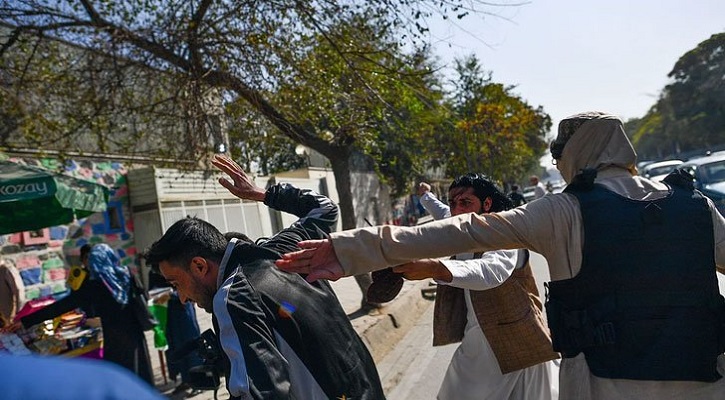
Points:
(48, 210)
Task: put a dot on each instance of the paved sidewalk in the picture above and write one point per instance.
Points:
(380, 329)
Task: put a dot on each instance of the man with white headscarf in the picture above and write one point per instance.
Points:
(633, 304)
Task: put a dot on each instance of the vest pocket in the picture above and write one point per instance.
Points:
(511, 319)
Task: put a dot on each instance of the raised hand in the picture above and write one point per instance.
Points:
(424, 269)
(317, 259)
(241, 184)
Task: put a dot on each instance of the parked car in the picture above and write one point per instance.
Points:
(660, 169)
(528, 193)
(709, 173)
(641, 164)
(557, 186)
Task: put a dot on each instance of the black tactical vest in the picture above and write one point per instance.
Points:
(645, 304)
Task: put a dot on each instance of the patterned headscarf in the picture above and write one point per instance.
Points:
(567, 127)
(104, 264)
(592, 141)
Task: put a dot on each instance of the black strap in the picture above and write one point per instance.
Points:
(680, 178)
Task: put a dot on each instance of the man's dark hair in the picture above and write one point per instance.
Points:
(483, 187)
(185, 239)
(514, 188)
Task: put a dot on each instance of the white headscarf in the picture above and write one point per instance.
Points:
(593, 140)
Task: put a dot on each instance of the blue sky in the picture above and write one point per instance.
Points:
(571, 56)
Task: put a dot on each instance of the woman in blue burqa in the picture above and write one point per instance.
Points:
(106, 293)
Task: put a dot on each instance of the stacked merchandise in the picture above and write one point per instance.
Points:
(41, 339)
(68, 335)
(81, 337)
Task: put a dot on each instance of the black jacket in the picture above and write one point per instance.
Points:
(285, 337)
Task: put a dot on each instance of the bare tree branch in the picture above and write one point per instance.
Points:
(193, 36)
(138, 41)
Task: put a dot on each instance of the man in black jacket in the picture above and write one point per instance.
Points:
(282, 336)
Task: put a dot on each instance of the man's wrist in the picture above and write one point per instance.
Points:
(259, 195)
(444, 274)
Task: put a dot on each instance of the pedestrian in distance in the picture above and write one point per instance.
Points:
(517, 199)
(539, 187)
(633, 305)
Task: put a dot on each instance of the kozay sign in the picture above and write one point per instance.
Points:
(20, 191)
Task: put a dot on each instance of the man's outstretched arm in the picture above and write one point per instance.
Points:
(317, 259)
(316, 211)
(318, 214)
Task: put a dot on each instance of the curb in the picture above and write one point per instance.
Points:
(396, 319)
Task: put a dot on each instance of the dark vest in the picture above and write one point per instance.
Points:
(645, 304)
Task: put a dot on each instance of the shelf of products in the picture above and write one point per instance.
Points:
(70, 335)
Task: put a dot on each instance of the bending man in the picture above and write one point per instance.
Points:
(274, 327)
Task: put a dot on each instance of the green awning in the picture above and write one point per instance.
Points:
(32, 198)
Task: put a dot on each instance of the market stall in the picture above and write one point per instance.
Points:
(70, 335)
(31, 200)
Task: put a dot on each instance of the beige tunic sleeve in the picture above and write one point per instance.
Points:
(551, 226)
(543, 226)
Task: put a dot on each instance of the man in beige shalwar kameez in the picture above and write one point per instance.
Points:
(551, 226)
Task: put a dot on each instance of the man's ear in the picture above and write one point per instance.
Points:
(199, 266)
(487, 204)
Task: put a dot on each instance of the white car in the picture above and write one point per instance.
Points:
(657, 171)
(528, 193)
(709, 174)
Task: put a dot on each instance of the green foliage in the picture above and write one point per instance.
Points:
(59, 97)
(495, 131)
(247, 49)
(377, 100)
(690, 113)
(332, 75)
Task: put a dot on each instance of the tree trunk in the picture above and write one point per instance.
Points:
(341, 169)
